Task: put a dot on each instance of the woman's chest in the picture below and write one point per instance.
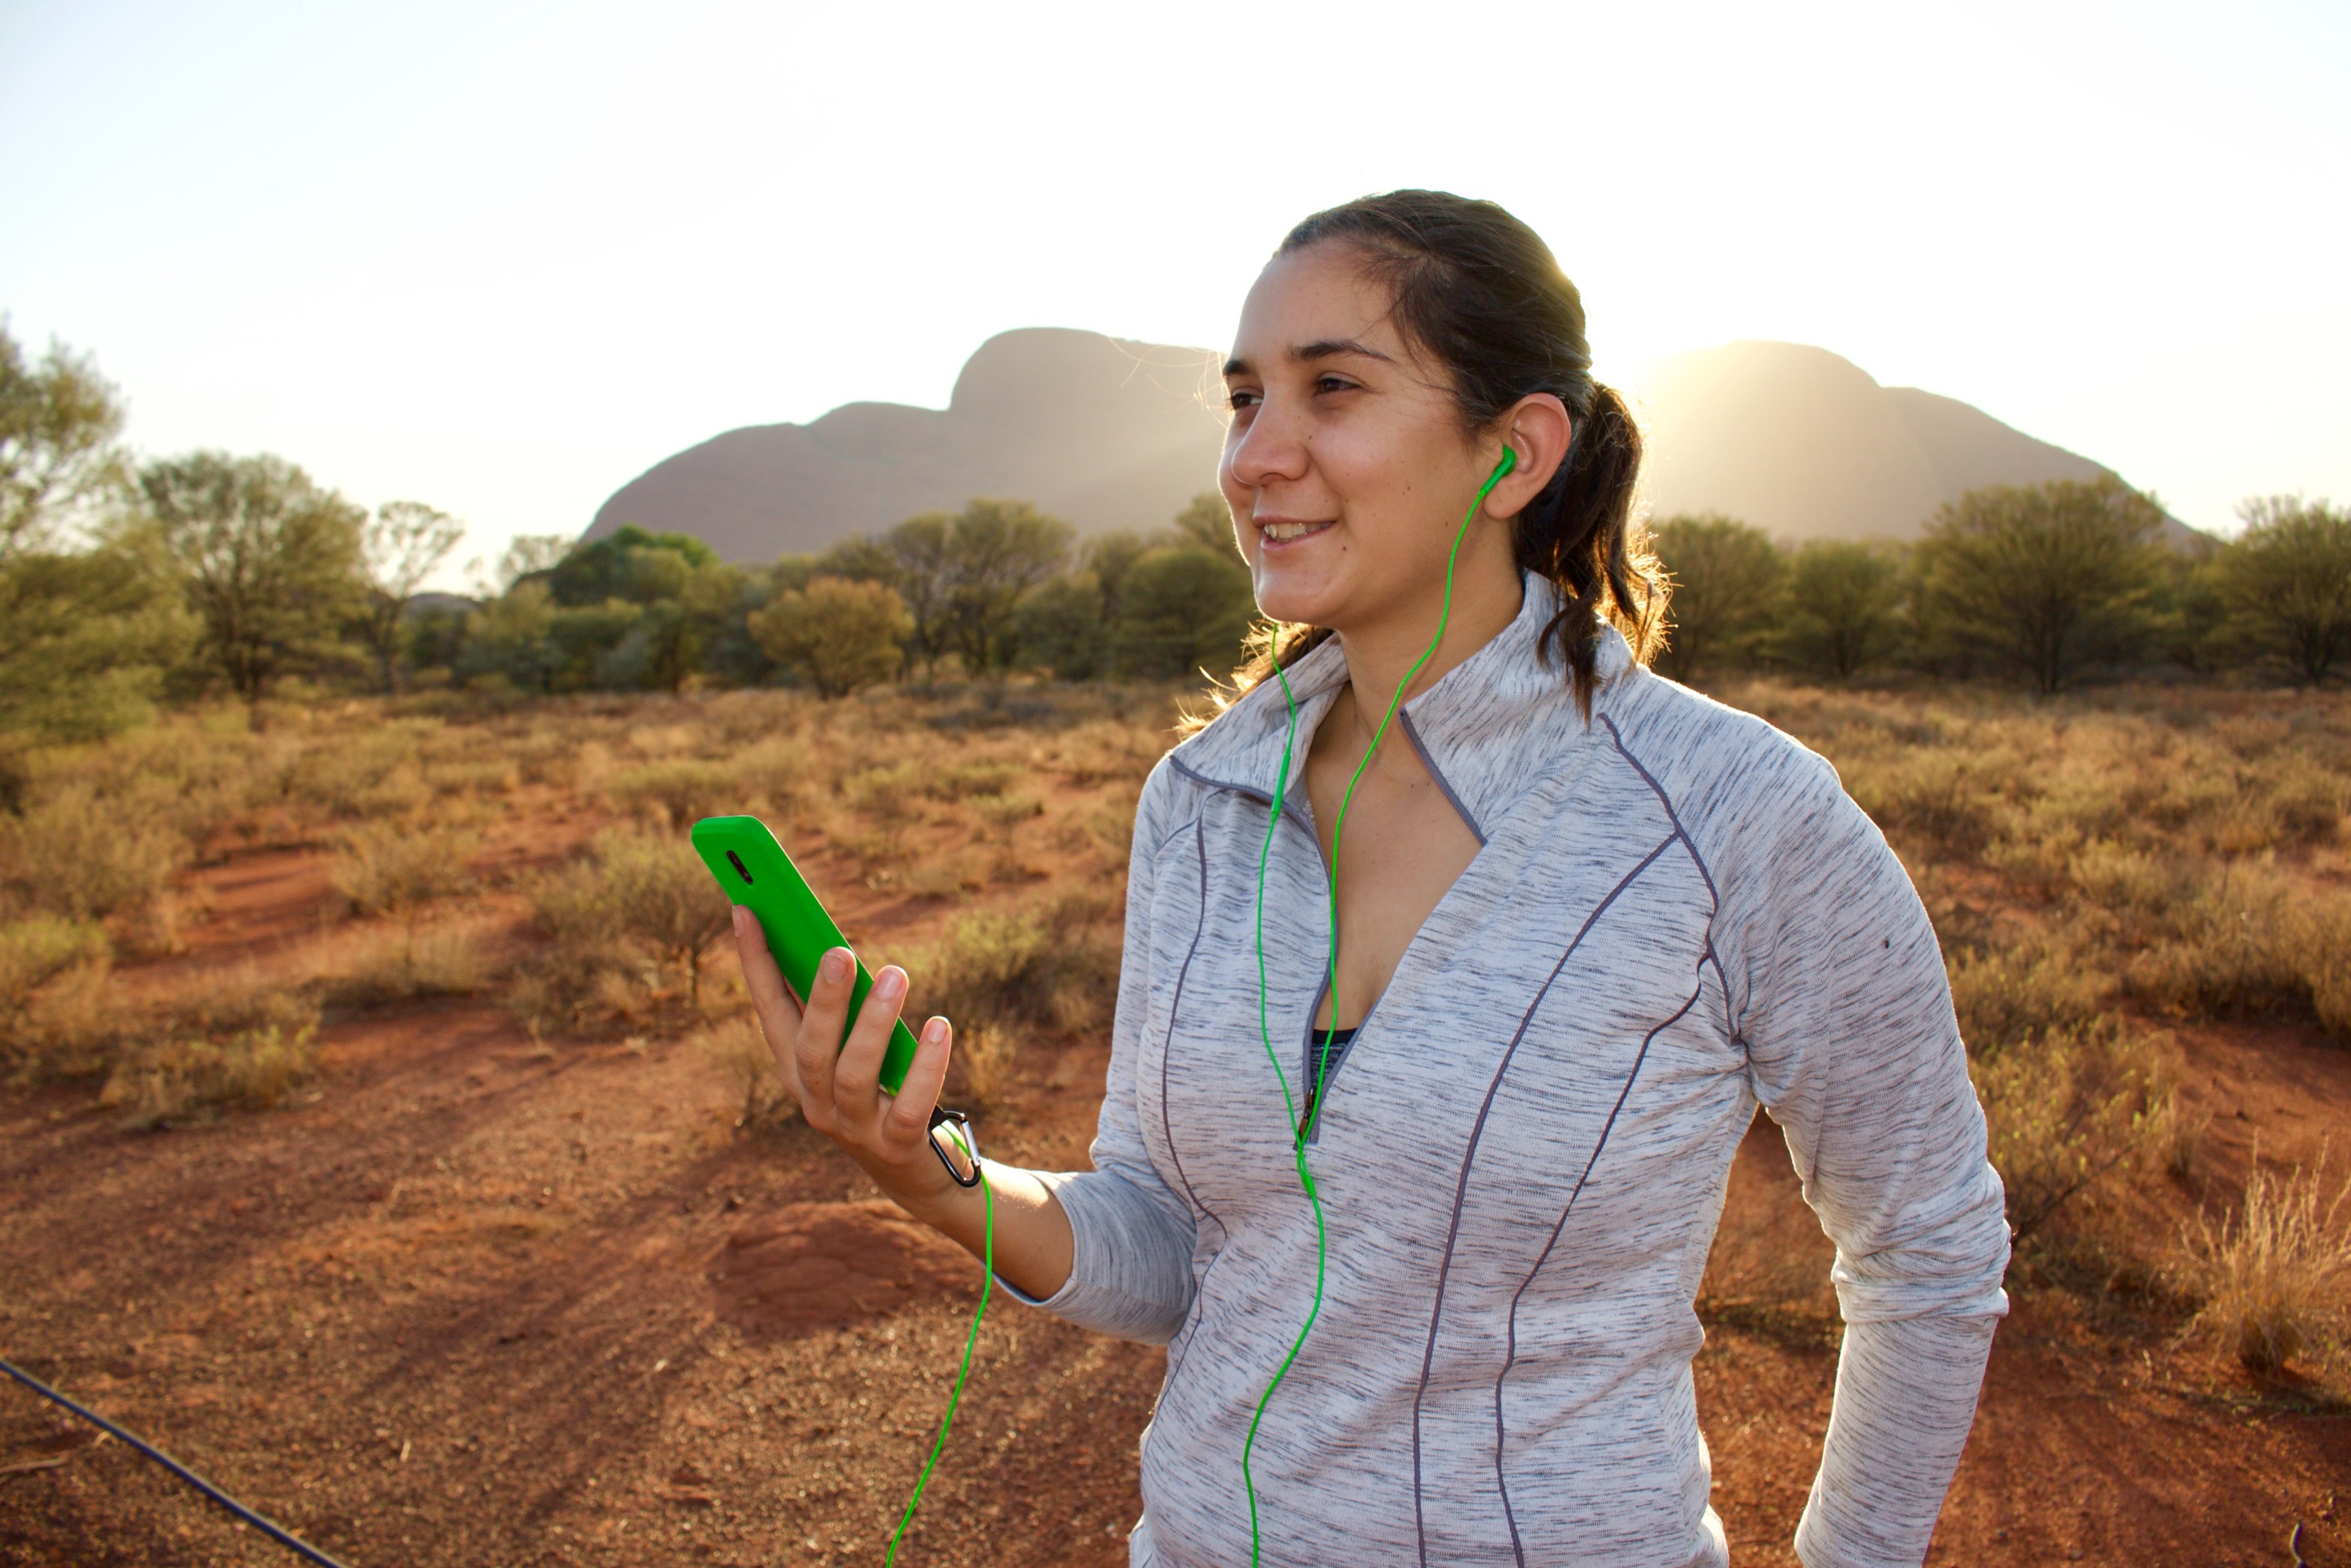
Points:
(1565, 977)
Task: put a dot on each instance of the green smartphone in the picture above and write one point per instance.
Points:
(756, 872)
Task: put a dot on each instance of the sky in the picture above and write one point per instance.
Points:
(502, 256)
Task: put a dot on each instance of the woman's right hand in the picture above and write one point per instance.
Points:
(840, 1091)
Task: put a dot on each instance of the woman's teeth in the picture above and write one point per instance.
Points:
(1282, 533)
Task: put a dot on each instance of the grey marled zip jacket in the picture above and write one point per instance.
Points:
(1676, 912)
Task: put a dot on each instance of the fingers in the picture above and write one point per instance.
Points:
(909, 1116)
(819, 1042)
(856, 1086)
(771, 998)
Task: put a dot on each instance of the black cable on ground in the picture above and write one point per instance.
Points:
(284, 1538)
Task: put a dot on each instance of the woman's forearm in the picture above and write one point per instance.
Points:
(1905, 1396)
(1033, 1246)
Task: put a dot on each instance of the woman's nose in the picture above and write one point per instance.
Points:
(1271, 449)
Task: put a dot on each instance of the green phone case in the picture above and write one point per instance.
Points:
(756, 872)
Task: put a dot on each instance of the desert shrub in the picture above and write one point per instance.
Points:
(888, 792)
(1003, 815)
(773, 771)
(387, 869)
(69, 1028)
(1946, 796)
(36, 951)
(961, 781)
(2010, 996)
(663, 897)
(636, 896)
(1000, 973)
(679, 791)
(238, 1042)
(2064, 1112)
(2273, 1277)
(1103, 751)
(2252, 945)
(453, 959)
(739, 1050)
(494, 776)
(85, 858)
(363, 774)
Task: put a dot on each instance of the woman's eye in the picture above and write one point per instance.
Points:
(1332, 384)
(1239, 398)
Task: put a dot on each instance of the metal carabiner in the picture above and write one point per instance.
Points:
(941, 1117)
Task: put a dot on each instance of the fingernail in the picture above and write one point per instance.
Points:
(891, 982)
(836, 963)
(935, 1031)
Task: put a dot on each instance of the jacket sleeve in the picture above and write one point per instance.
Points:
(1131, 1275)
(1838, 992)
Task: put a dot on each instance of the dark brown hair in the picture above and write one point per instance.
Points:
(1478, 293)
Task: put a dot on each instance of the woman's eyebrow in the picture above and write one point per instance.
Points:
(1321, 348)
(1327, 347)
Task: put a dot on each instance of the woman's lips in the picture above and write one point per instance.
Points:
(1281, 532)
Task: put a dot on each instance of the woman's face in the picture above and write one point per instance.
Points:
(1346, 465)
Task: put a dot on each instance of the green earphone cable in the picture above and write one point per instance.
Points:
(1303, 1129)
(987, 1285)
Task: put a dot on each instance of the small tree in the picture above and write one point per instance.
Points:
(1841, 611)
(1726, 577)
(998, 552)
(916, 560)
(1183, 608)
(85, 640)
(1207, 521)
(271, 562)
(843, 636)
(512, 638)
(662, 896)
(526, 556)
(2042, 579)
(58, 420)
(2286, 582)
(401, 546)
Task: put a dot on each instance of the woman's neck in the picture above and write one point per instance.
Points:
(1488, 594)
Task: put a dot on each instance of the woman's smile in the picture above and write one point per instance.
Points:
(1277, 533)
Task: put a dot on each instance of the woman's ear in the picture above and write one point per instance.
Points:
(1537, 427)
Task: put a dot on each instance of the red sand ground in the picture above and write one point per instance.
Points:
(483, 1301)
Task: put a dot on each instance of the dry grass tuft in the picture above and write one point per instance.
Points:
(238, 1042)
(384, 869)
(2067, 1111)
(639, 906)
(35, 951)
(739, 1050)
(2271, 1278)
(1002, 975)
(457, 958)
(86, 857)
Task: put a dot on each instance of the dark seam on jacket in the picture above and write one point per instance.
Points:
(1510, 1336)
(1250, 790)
(1671, 815)
(1412, 733)
(1166, 1121)
(1461, 1188)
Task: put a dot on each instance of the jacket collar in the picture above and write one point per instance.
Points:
(1475, 728)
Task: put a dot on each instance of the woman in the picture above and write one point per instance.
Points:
(1587, 920)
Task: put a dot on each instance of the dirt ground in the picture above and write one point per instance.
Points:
(488, 1300)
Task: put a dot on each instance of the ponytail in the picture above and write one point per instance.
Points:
(1580, 534)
